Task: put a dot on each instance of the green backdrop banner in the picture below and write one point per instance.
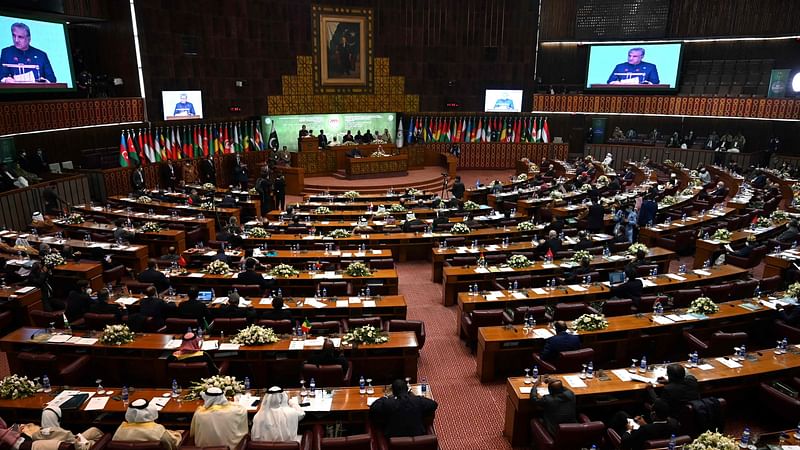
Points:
(335, 125)
(778, 80)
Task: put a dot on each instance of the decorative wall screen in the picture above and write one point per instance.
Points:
(621, 19)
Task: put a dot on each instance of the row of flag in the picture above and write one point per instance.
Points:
(478, 129)
(151, 145)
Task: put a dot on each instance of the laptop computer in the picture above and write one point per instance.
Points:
(616, 277)
(205, 296)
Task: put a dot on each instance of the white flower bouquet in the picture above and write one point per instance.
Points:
(365, 335)
(144, 200)
(722, 234)
(556, 195)
(590, 322)
(209, 187)
(667, 162)
(469, 205)
(379, 154)
(580, 256)
(209, 206)
(694, 174)
(414, 191)
(586, 187)
(15, 387)
(522, 176)
(397, 207)
(636, 247)
(116, 335)
(526, 226)
(230, 386)
(779, 216)
(255, 335)
(339, 233)
(668, 200)
(352, 195)
(460, 228)
(711, 440)
(322, 210)
(283, 270)
(702, 305)
(218, 267)
(793, 290)
(151, 227)
(688, 192)
(602, 181)
(257, 232)
(518, 261)
(796, 187)
(679, 165)
(532, 167)
(74, 218)
(763, 222)
(358, 269)
(252, 191)
(53, 259)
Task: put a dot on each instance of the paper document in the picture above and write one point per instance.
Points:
(228, 346)
(59, 338)
(296, 345)
(662, 320)
(159, 403)
(173, 343)
(729, 363)
(210, 345)
(369, 304)
(341, 303)
(574, 381)
(542, 333)
(704, 273)
(127, 301)
(577, 288)
(96, 403)
(525, 389)
(87, 341)
(539, 291)
(675, 277)
(622, 374)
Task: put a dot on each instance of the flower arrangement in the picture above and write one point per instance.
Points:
(526, 226)
(218, 267)
(668, 200)
(636, 247)
(74, 218)
(460, 228)
(378, 154)
(518, 261)
(679, 165)
(763, 222)
(722, 234)
(522, 177)
(585, 187)
(469, 205)
(688, 192)
(252, 191)
(414, 192)
(209, 187)
(702, 305)
(711, 440)
(258, 232)
(151, 227)
(365, 335)
(230, 386)
(14, 387)
(116, 335)
(602, 181)
(580, 256)
(556, 195)
(532, 167)
(793, 290)
(796, 187)
(339, 233)
(283, 270)
(590, 322)
(322, 210)
(357, 269)
(667, 162)
(694, 174)
(779, 216)
(144, 200)
(397, 207)
(209, 206)
(255, 335)
(53, 259)
(352, 195)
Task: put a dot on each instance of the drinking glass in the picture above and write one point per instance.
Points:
(100, 389)
(634, 366)
(527, 376)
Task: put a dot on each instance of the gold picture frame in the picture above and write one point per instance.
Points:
(343, 56)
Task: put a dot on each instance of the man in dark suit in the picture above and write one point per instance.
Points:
(102, 306)
(403, 414)
(661, 427)
(792, 318)
(561, 342)
(721, 190)
(208, 171)
(458, 188)
(594, 218)
(193, 309)
(744, 252)
(791, 232)
(631, 288)
(153, 275)
(552, 243)
(158, 309)
(280, 192)
(279, 310)
(411, 223)
(137, 179)
(648, 211)
(169, 176)
(679, 389)
(250, 276)
(78, 301)
(322, 140)
(584, 241)
(120, 233)
(557, 407)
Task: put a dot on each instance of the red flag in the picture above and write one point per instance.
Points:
(181, 261)
(549, 253)
(205, 142)
(755, 220)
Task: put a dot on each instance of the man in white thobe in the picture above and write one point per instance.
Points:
(50, 435)
(278, 418)
(140, 426)
(218, 422)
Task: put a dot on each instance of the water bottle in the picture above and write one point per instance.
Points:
(247, 384)
(471, 290)
(655, 271)
(784, 345)
(312, 386)
(606, 252)
(682, 269)
(174, 388)
(757, 292)
(515, 285)
(590, 370)
(552, 283)
(777, 249)
(369, 294)
(67, 327)
(325, 292)
(125, 395)
(535, 373)
(745, 442)
(695, 359)
(200, 336)
(588, 279)
(362, 385)
(683, 218)
(423, 386)
(643, 364)
(46, 384)
(672, 443)
(317, 295)
(743, 352)
(658, 308)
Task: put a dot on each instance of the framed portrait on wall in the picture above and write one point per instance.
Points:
(343, 59)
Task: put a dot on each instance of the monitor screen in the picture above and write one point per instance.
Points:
(616, 277)
(205, 296)
(35, 55)
(634, 67)
(182, 105)
(503, 100)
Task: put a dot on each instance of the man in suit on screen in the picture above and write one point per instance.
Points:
(634, 71)
(21, 63)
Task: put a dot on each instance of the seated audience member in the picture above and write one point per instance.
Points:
(746, 250)
(791, 232)
(562, 341)
(231, 309)
(679, 389)
(403, 414)
(70, 254)
(193, 308)
(172, 255)
(221, 256)
(552, 244)
(218, 422)
(155, 307)
(40, 277)
(250, 276)
(279, 311)
(120, 233)
(661, 426)
(557, 407)
(328, 356)
(584, 241)
(190, 351)
(577, 274)
(101, 306)
(154, 276)
(792, 318)
(278, 418)
(78, 301)
(140, 426)
(631, 288)
(50, 435)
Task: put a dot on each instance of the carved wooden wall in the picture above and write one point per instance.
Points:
(499, 155)
(20, 117)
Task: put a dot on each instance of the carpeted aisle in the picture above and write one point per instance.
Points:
(470, 414)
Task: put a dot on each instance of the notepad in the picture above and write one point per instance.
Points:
(702, 272)
(577, 288)
(622, 374)
(675, 277)
(296, 345)
(353, 300)
(539, 291)
(519, 295)
(729, 363)
(96, 403)
(662, 320)
(24, 290)
(369, 304)
(159, 403)
(196, 275)
(59, 338)
(481, 270)
(210, 345)
(542, 333)
(228, 346)
(86, 341)
(341, 303)
(173, 343)
(525, 389)
(574, 381)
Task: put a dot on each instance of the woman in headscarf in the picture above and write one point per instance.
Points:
(190, 351)
(140, 426)
(278, 418)
(50, 435)
(218, 422)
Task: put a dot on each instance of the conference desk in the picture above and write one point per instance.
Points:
(20, 300)
(528, 206)
(359, 204)
(181, 209)
(650, 235)
(371, 166)
(420, 213)
(299, 257)
(456, 278)
(760, 364)
(705, 249)
(157, 242)
(70, 272)
(364, 198)
(277, 363)
(732, 180)
(580, 293)
(503, 350)
(778, 263)
(206, 224)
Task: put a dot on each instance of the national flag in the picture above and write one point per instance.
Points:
(246, 137)
(169, 149)
(124, 160)
(411, 125)
(216, 147)
(427, 136)
(488, 132)
(197, 139)
(148, 149)
(503, 131)
(545, 132)
(754, 221)
(462, 135)
(517, 130)
(399, 140)
(161, 144)
(274, 142)
(534, 130)
(305, 327)
(259, 140)
(467, 130)
(181, 260)
(226, 140)
(549, 254)
(539, 132)
(435, 130)
(138, 153)
(206, 149)
(187, 142)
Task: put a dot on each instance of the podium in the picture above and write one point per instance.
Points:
(307, 144)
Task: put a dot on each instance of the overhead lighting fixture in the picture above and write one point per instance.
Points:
(795, 83)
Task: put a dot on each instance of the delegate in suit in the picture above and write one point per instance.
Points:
(634, 71)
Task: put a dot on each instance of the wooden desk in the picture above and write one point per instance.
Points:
(297, 258)
(167, 207)
(364, 198)
(20, 301)
(71, 272)
(380, 165)
(706, 249)
(396, 358)
(455, 278)
(777, 264)
(506, 350)
(732, 180)
(520, 409)
(207, 224)
(250, 204)
(650, 235)
(157, 242)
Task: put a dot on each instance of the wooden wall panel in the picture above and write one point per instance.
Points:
(19, 117)
(498, 155)
(691, 158)
(17, 206)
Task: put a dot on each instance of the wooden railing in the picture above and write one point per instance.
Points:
(498, 155)
(17, 206)
(691, 158)
(20, 117)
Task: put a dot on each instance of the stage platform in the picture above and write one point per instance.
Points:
(427, 179)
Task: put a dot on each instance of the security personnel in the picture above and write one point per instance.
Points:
(21, 53)
(635, 68)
